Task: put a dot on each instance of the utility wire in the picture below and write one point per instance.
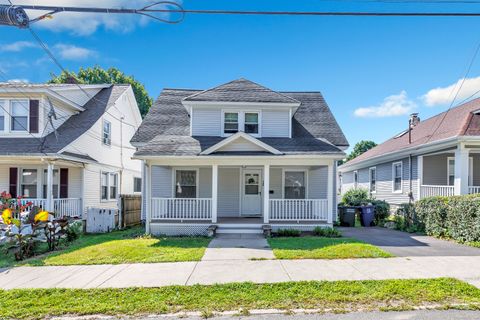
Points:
(472, 60)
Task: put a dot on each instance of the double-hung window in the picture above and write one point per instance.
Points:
(19, 112)
(28, 183)
(107, 133)
(56, 183)
(397, 172)
(230, 122)
(137, 184)
(109, 186)
(251, 123)
(294, 185)
(373, 179)
(185, 184)
(3, 107)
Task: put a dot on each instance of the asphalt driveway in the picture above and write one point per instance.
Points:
(403, 244)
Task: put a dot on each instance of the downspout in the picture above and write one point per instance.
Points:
(410, 174)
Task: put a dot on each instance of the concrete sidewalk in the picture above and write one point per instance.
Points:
(238, 247)
(263, 271)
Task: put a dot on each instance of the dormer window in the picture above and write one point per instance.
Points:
(230, 123)
(251, 123)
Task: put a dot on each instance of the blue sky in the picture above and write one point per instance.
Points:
(372, 71)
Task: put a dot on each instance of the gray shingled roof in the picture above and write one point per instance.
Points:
(69, 131)
(165, 130)
(241, 90)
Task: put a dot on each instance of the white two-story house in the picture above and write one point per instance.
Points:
(66, 148)
(238, 157)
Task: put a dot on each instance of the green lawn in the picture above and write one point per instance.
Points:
(339, 296)
(324, 248)
(128, 246)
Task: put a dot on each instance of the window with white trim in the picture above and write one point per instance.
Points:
(3, 106)
(373, 179)
(230, 122)
(19, 112)
(397, 173)
(185, 184)
(294, 185)
(137, 184)
(28, 183)
(107, 133)
(251, 122)
(109, 186)
(355, 179)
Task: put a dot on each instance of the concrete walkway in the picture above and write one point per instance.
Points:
(224, 271)
(404, 244)
(238, 247)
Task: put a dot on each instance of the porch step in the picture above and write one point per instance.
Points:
(237, 228)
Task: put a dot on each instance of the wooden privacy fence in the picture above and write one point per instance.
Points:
(130, 210)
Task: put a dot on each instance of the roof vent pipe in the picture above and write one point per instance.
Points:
(412, 122)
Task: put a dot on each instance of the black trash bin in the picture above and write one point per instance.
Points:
(367, 215)
(347, 216)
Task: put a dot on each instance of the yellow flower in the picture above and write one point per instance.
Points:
(41, 216)
(7, 216)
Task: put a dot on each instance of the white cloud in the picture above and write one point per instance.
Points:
(18, 81)
(17, 46)
(445, 95)
(71, 52)
(84, 24)
(394, 105)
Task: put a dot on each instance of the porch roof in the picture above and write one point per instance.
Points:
(190, 146)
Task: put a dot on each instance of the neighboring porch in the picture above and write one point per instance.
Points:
(451, 172)
(53, 186)
(248, 196)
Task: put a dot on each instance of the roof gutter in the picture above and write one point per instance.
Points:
(332, 156)
(405, 152)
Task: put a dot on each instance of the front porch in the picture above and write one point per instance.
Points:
(243, 196)
(451, 172)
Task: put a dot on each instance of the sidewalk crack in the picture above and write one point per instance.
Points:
(285, 269)
(113, 275)
(191, 273)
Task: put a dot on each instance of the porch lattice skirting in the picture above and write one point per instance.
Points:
(179, 229)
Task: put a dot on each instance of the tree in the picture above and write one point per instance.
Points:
(360, 147)
(98, 75)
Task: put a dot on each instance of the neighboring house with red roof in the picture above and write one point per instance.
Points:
(238, 157)
(437, 156)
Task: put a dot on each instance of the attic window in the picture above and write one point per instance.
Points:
(401, 134)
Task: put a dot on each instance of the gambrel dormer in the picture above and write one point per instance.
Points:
(241, 106)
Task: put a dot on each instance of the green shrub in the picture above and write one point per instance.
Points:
(327, 232)
(74, 230)
(432, 212)
(288, 233)
(406, 219)
(456, 217)
(356, 197)
(382, 211)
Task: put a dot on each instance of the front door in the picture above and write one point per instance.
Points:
(252, 192)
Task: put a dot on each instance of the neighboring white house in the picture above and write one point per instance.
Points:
(67, 148)
(238, 157)
(438, 156)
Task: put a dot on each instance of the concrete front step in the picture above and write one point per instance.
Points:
(239, 230)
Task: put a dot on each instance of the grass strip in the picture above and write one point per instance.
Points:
(341, 296)
(324, 248)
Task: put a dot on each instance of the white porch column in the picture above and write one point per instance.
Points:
(419, 177)
(214, 192)
(147, 193)
(330, 193)
(266, 193)
(461, 170)
(49, 204)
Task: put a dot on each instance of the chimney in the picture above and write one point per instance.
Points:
(412, 122)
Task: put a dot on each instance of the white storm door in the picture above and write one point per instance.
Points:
(252, 192)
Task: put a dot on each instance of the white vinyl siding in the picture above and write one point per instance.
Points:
(318, 182)
(241, 144)
(162, 182)
(206, 122)
(275, 123)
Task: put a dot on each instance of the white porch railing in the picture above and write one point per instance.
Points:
(181, 208)
(434, 190)
(68, 207)
(473, 189)
(298, 209)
